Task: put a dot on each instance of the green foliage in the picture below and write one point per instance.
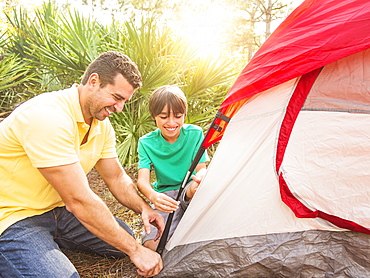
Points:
(206, 84)
(13, 73)
(165, 59)
(130, 125)
(58, 46)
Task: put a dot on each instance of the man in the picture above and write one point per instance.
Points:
(47, 146)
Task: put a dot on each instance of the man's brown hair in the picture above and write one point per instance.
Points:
(111, 63)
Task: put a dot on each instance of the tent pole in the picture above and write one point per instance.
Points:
(194, 164)
(166, 231)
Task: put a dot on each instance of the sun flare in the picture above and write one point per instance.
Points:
(203, 29)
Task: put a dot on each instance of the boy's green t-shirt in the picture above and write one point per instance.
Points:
(170, 161)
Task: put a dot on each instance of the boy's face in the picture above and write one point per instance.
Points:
(169, 124)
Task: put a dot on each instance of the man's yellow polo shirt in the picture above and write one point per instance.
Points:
(45, 131)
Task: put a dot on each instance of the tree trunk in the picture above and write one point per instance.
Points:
(268, 19)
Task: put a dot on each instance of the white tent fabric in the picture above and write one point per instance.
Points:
(344, 84)
(238, 226)
(287, 192)
(330, 174)
(244, 159)
(327, 160)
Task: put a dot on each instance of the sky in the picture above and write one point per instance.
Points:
(206, 27)
(202, 28)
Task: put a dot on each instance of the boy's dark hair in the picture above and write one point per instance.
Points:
(172, 96)
(111, 63)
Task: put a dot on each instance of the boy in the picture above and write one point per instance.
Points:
(170, 150)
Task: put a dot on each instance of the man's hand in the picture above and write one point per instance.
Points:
(150, 216)
(148, 262)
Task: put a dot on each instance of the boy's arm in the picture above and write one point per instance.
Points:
(143, 182)
(161, 201)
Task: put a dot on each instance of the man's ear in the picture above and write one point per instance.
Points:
(94, 79)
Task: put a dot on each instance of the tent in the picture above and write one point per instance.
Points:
(287, 192)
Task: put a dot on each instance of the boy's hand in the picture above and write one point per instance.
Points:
(164, 203)
(195, 184)
(192, 188)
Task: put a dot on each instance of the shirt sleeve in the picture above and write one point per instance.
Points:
(47, 140)
(109, 149)
(144, 160)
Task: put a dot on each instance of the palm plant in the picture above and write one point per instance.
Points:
(13, 73)
(59, 47)
(163, 59)
(206, 85)
(15, 77)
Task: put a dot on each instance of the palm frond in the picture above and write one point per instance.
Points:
(13, 72)
(59, 46)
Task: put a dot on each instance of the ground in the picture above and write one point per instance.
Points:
(90, 265)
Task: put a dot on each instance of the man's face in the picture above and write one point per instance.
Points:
(102, 102)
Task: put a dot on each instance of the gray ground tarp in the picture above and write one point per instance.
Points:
(299, 254)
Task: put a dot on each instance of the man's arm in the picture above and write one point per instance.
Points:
(71, 183)
(122, 187)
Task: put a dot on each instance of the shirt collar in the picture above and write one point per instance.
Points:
(76, 104)
(95, 127)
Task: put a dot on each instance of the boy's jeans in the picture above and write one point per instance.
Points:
(30, 247)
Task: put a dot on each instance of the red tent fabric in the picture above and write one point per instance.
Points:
(275, 62)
